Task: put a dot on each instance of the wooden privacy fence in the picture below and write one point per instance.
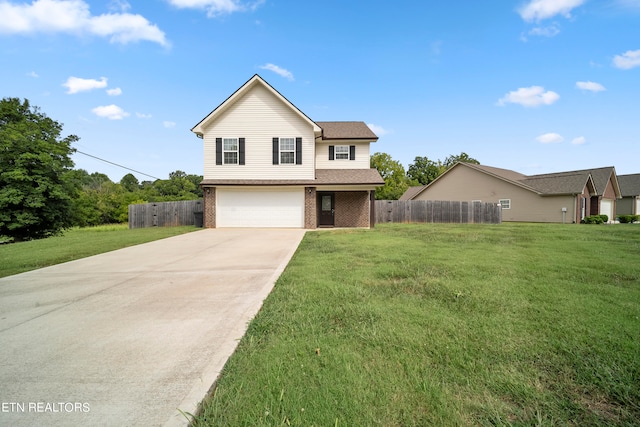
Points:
(437, 211)
(165, 214)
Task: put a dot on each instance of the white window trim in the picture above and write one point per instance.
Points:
(292, 151)
(502, 204)
(347, 152)
(224, 151)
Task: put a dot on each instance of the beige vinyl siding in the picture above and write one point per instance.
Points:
(465, 184)
(259, 117)
(361, 162)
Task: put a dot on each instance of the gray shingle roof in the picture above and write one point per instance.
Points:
(348, 176)
(629, 185)
(412, 192)
(346, 130)
(560, 183)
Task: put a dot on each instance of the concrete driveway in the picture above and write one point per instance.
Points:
(128, 337)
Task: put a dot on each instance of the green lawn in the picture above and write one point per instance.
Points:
(77, 243)
(415, 325)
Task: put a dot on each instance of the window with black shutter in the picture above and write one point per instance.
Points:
(287, 151)
(342, 152)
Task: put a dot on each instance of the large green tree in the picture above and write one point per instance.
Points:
(423, 170)
(35, 190)
(462, 157)
(392, 171)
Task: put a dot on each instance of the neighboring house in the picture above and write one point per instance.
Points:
(630, 189)
(555, 197)
(266, 164)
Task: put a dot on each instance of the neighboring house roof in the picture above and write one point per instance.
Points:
(346, 130)
(255, 80)
(412, 192)
(559, 183)
(552, 184)
(323, 177)
(629, 185)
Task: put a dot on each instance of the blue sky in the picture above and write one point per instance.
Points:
(534, 85)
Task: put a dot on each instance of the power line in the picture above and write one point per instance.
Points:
(120, 166)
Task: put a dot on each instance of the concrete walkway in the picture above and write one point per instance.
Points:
(128, 337)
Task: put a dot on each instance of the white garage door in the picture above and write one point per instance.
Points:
(606, 208)
(637, 212)
(260, 208)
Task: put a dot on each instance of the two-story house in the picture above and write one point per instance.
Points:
(266, 164)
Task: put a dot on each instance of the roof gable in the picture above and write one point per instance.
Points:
(198, 129)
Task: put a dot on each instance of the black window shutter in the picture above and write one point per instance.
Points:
(352, 152)
(218, 151)
(276, 151)
(298, 151)
(241, 151)
(332, 152)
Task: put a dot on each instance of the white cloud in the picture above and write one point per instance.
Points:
(114, 92)
(629, 59)
(111, 112)
(550, 138)
(579, 140)
(533, 96)
(217, 7)
(279, 71)
(33, 74)
(590, 86)
(143, 116)
(378, 130)
(538, 10)
(548, 31)
(77, 84)
(74, 17)
(168, 124)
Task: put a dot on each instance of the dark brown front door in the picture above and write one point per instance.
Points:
(327, 204)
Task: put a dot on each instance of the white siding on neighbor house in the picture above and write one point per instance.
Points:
(361, 162)
(260, 207)
(637, 211)
(259, 117)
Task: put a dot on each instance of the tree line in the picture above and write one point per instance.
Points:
(42, 194)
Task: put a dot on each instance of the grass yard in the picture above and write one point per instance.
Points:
(77, 243)
(415, 325)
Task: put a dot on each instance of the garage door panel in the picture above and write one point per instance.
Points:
(242, 208)
(606, 208)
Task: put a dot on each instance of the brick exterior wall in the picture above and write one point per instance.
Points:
(209, 207)
(352, 209)
(310, 208)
